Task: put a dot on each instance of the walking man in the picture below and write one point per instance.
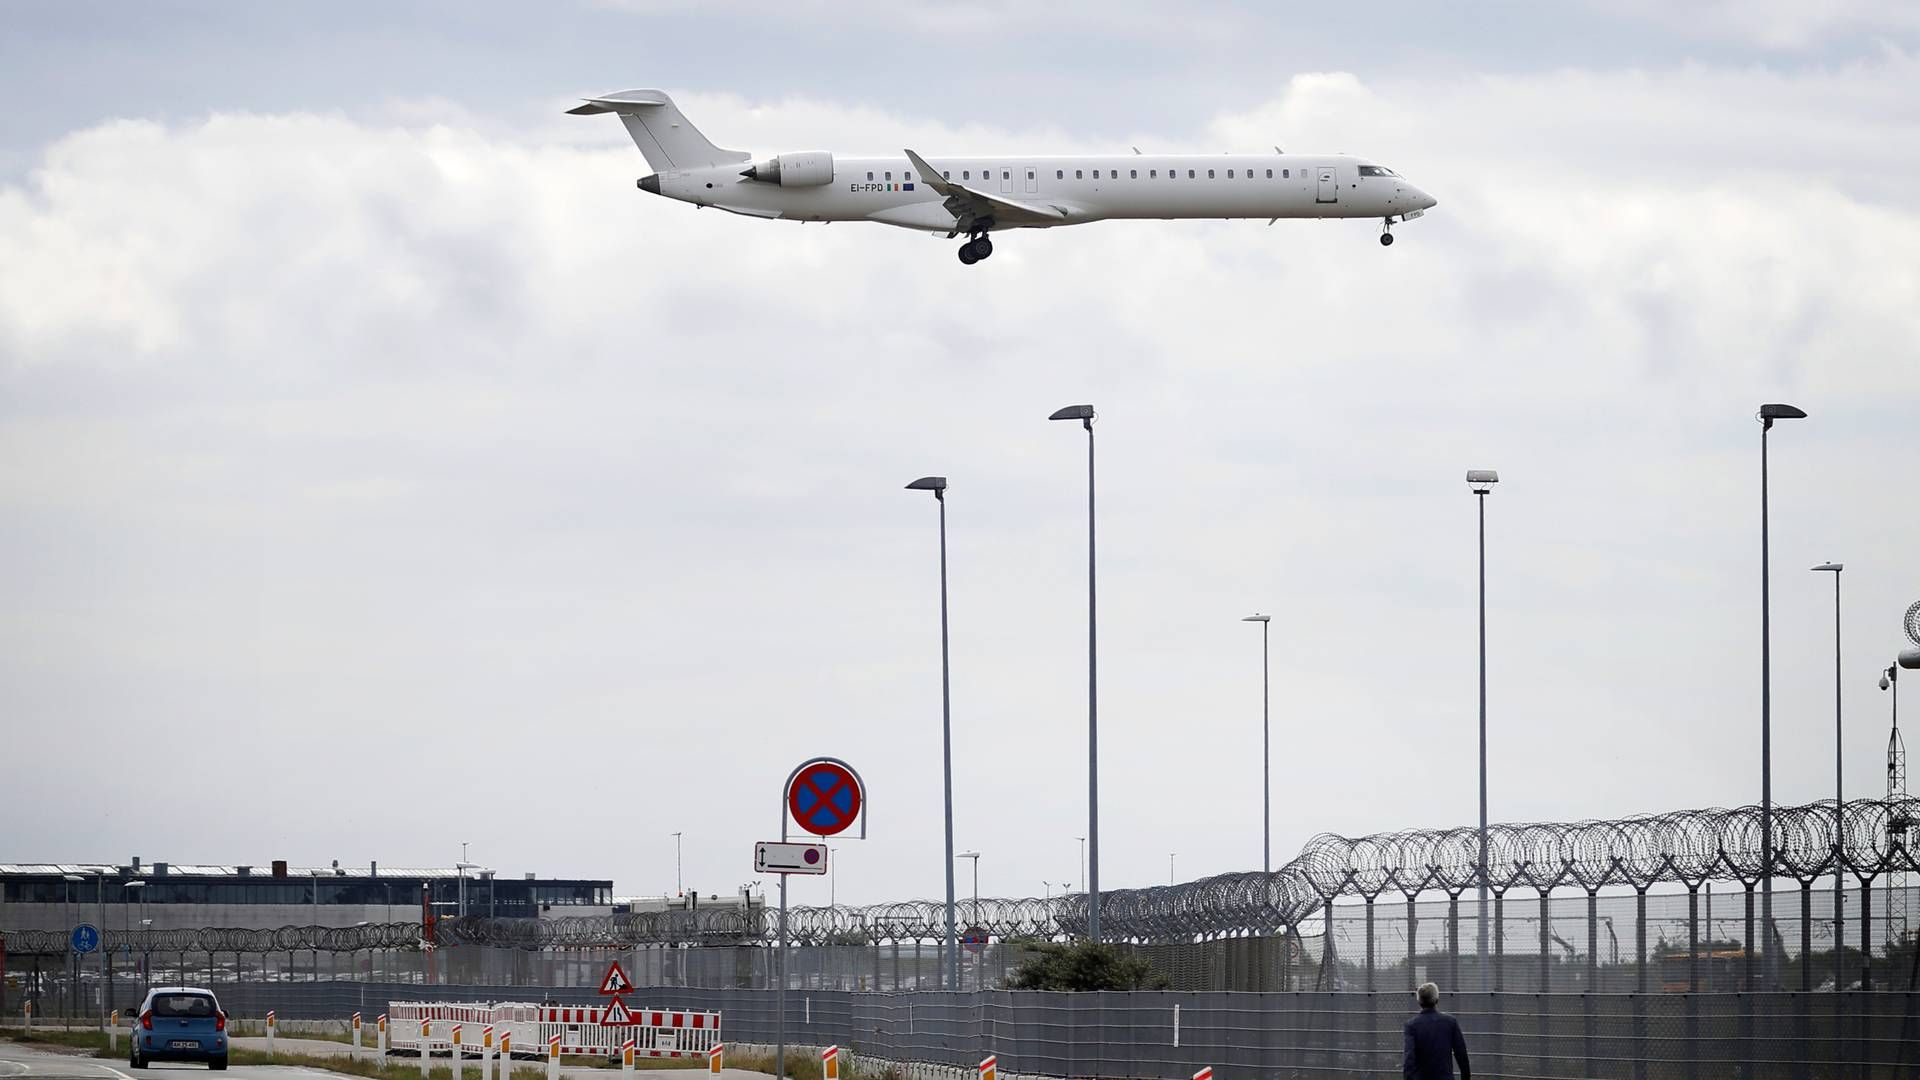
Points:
(1433, 1042)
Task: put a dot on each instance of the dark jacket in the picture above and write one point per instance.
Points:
(1430, 1047)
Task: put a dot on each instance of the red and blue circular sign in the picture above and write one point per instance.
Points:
(824, 798)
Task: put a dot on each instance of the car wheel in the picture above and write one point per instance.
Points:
(136, 1061)
(217, 1064)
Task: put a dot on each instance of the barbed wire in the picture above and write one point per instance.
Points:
(1867, 839)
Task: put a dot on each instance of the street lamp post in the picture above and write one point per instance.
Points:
(1480, 482)
(1767, 415)
(1170, 877)
(938, 485)
(679, 884)
(73, 958)
(1839, 789)
(1084, 414)
(126, 904)
(1083, 863)
(978, 977)
(1266, 753)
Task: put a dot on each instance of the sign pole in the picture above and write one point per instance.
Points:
(780, 993)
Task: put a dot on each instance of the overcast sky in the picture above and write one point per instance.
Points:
(379, 470)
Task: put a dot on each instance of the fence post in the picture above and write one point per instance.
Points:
(1369, 943)
(380, 1034)
(270, 1026)
(1499, 940)
(26, 1010)
(1640, 982)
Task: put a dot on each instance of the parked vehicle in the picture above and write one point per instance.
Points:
(179, 1023)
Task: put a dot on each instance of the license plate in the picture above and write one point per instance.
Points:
(185, 1044)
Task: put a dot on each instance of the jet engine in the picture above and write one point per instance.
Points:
(794, 170)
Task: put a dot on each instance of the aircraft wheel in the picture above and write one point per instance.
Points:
(967, 256)
(982, 248)
(1386, 239)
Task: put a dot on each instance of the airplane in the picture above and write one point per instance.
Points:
(978, 195)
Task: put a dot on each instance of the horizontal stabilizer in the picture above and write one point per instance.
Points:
(609, 104)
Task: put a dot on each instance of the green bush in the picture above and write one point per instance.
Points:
(1083, 965)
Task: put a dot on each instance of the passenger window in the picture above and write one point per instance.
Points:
(1031, 174)
(1229, 174)
(1079, 174)
(1269, 174)
(1153, 174)
(966, 174)
(1189, 174)
(1059, 174)
(1209, 174)
(905, 176)
(1006, 174)
(869, 174)
(889, 175)
(1286, 174)
(1133, 174)
(946, 174)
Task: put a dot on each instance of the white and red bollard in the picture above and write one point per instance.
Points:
(380, 1034)
(455, 1053)
(26, 1010)
(426, 1045)
(716, 1059)
(990, 1068)
(1205, 1073)
(553, 1058)
(506, 1054)
(486, 1052)
(626, 1056)
(830, 1063)
(271, 1024)
(113, 1032)
(356, 1034)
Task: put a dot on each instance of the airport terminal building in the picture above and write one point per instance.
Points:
(163, 896)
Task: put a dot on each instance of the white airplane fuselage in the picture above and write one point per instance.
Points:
(1083, 188)
(979, 195)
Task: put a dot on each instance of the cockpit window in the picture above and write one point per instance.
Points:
(1375, 170)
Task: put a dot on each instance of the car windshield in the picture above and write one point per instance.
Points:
(189, 1006)
(1375, 170)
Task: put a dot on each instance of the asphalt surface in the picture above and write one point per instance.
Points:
(19, 1062)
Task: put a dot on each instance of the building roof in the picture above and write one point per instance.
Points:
(255, 870)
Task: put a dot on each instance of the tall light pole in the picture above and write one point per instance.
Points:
(938, 485)
(1480, 482)
(978, 976)
(1170, 878)
(1839, 789)
(1266, 751)
(833, 877)
(1083, 863)
(1084, 414)
(73, 958)
(1767, 415)
(679, 884)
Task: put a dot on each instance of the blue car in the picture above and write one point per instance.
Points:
(179, 1023)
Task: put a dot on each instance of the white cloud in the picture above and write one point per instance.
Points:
(428, 470)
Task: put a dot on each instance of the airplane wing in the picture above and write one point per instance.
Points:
(968, 205)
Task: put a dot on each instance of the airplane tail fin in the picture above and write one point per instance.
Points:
(662, 132)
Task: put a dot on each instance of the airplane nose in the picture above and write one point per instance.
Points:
(649, 183)
(1424, 201)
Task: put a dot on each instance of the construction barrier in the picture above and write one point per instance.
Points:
(659, 1033)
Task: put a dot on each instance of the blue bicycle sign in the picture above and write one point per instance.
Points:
(85, 939)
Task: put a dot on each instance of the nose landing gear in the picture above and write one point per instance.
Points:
(1386, 233)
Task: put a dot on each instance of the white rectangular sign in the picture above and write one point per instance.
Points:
(772, 857)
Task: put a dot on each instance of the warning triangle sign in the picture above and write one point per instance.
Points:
(617, 1015)
(615, 983)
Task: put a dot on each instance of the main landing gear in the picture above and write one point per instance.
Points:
(1386, 233)
(976, 249)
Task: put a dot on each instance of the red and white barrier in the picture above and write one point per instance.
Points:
(442, 1027)
(990, 1068)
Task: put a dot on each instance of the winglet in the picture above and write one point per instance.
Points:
(930, 174)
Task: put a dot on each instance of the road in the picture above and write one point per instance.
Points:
(27, 1063)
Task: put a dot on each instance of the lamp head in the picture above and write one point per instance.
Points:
(935, 484)
(1481, 481)
(1833, 566)
(1083, 413)
(1258, 618)
(1769, 413)
(1887, 677)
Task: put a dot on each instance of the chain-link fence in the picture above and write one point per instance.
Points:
(1168, 1035)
